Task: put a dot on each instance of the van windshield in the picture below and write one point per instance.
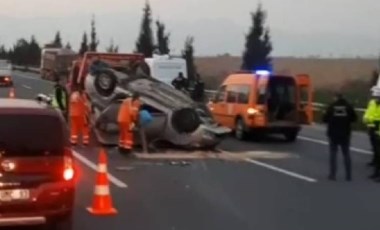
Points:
(31, 135)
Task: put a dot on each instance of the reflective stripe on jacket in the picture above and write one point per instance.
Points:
(63, 99)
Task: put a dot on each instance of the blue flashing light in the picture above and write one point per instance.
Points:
(262, 72)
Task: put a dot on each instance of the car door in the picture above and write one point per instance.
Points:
(304, 99)
(230, 112)
(218, 106)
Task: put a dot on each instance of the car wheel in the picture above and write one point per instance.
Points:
(105, 83)
(291, 135)
(185, 120)
(240, 129)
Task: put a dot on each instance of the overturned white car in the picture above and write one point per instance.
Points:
(178, 120)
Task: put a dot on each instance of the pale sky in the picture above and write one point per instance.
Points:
(298, 27)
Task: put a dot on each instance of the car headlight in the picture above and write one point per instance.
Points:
(252, 111)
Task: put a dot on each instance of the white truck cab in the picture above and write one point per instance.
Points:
(165, 67)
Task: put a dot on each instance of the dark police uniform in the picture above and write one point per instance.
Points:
(180, 82)
(339, 117)
(198, 92)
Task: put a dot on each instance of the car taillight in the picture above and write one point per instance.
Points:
(68, 174)
(7, 79)
(68, 170)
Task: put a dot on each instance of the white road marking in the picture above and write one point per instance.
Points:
(283, 171)
(26, 87)
(274, 168)
(93, 166)
(362, 151)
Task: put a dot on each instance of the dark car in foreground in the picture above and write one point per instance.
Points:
(37, 183)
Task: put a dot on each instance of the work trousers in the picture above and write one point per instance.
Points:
(377, 156)
(344, 145)
(374, 144)
(125, 136)
(79, 126)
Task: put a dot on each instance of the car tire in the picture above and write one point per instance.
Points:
(291, 135)
(240, 130)
(185, 120)
(103, 89)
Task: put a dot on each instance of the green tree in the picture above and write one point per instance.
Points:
(374, 77)
(34, 52)
(145, 42)
(20, 52)
(57, 43)
(68, 46)
(94, 41)
(258, 45)
(162, 39)
(188, 55)
(84, 45)
(112, 48)
(3, 52)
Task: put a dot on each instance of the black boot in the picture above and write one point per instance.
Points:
(375, 175)
(371, 163)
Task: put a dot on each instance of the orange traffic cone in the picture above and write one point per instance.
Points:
(12, 93)
(102, 201)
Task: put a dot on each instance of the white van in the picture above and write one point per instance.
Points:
(165, 68)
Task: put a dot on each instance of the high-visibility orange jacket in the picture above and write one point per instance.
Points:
(78, 105)
(128, 112)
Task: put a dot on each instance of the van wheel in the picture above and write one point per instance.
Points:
(291, 135)
(240, 129)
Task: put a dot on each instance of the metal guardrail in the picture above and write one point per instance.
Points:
(26, 68)
(317, 106)
(209, 93)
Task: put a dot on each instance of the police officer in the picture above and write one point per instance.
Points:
(180, 82)
(60, 99)
(372, 118)
(339, 116)
(198, 92)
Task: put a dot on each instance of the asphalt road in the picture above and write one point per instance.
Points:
(277, 185)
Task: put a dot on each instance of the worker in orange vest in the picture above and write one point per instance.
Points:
(79, 112)
(127, 119)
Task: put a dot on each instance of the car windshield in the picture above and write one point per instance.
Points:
(30, 135)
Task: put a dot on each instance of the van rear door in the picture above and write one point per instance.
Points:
(305, 99)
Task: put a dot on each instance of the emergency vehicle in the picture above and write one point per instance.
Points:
(165, 68)
(257, 103)
(80, 67)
